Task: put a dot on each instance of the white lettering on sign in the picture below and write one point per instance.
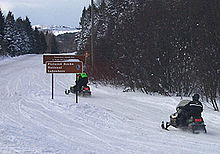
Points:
(54, 63)
(70, 64)
(64, 67)
(49, 67)
(56, 71)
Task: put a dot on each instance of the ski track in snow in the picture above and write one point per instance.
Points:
(108, 122)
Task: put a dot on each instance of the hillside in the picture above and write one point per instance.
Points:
(111, 121)
(56, 30)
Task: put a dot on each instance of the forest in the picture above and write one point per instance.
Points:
(17, 37)
(170, 47)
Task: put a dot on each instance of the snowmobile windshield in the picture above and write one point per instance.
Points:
(182, 104)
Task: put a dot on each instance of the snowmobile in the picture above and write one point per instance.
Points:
(194, 124)
(85, 91)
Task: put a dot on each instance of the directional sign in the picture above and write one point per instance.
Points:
(64, 67)
(57, 57)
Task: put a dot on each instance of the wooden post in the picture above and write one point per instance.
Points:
(77, 87)
(52, 85)
(92, 31)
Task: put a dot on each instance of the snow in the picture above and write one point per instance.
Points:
(59, 32)
(111, 121)
(56, 30)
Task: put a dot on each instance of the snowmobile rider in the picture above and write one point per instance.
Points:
(82, 79)
(193, 108)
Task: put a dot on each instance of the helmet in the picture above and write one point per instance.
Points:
(195, 97)
(84, 75)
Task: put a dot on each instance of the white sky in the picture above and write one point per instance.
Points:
(46, 12)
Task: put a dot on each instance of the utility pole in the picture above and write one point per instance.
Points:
(92, 33)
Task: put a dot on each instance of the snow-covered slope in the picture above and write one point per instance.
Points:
(56, 30)
(109, 122)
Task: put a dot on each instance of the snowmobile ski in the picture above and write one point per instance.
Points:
(165, 127)
(67, 92)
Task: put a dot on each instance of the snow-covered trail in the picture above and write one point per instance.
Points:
(108, 122)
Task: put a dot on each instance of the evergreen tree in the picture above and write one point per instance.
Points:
(40, 44)
(51, 43)
(25, 43)
(2, 24)
(18, 37)
(12, 37)
(43, 43)
(83, 36)
(54, 49)
(30, 33)
(101, 24)
(157, 46)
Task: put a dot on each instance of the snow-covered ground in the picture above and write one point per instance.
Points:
(110, 121)
(56, 30)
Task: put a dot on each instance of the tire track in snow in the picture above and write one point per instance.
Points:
(58, 122)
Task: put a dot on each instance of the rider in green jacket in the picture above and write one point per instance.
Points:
(82, 80)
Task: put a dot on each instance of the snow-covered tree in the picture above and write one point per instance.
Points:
(2, 24)
(40, 44)
(30, 34)
(157, 46)
(84, 35)
(12, 36)
(25, 43)
(17, 36)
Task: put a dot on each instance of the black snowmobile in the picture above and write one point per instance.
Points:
(194, 124)
(85, 91)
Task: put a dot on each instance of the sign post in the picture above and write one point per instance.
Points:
(52, 85)
(77, 88)
(58, 63)
(64, 67)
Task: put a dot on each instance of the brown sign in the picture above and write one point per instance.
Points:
(64, 67)
(57, 57)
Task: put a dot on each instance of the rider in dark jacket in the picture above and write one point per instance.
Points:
(82, 80)
(193, 108)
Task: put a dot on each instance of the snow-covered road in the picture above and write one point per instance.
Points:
(108, 122)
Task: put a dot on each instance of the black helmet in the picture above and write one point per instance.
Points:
(195, 97)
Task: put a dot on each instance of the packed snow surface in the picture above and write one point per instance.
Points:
(111, 121)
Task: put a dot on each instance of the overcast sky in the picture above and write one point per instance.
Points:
(46, 12)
